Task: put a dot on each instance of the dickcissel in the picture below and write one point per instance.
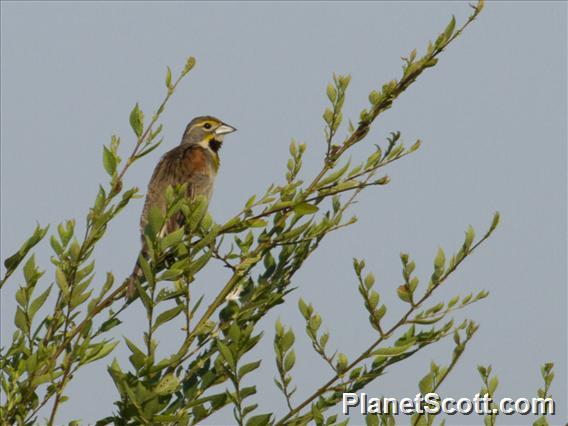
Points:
(194, 162)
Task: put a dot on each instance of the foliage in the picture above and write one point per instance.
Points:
(272, 235)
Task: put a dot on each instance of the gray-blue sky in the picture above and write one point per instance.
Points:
(492, 116)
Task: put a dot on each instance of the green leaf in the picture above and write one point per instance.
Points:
(432, 320)
(190, 63)
(426, 384)
(168, 77)
(392, 351)
(250, 202)
(419, 421)
(226, 353)
(257, 223)
(380, 313)
(109, 161)
(450, 28)
(344, 80)
(57, 248)
(44, 378)
(403, 293)
(84, 272)
(342, 362)
(259, 420)
(315, 322)
(38, 303)
(247, 368)
(198, 264)
(234, 332)
(137, 120)
(20, 320)
(289, 361)
(138, 358)
(323, 340)
(173, 238)
(305, 208)
(304, 308)
(290, 164)
(328, 116)
(155, 221)
(374, 97)
(208, 239)
(198, 213)
(372, 420)
(279, 328)
(493, 383)
(294, 232)
(106, 349)
(61, 281)
(369, 280)
(331, 93)
(415, 146)
(167, 385)
(170, 275)
(30, 270)
(148, 150)
(146, 270)
(133, 348)
(373, 300)
(142, 292)
(333, 177)
(75, 250)
(373, 159)
(13, 261)
(317, 414)
(469, 237)
(453, 301)
(167, 316)
(495, 222)
(541, 421)
(108, 283)
(166, 362)
(22, 297)
(249, 409)
(440, 260)
(288, 340)
(110, 323)
(413, 284)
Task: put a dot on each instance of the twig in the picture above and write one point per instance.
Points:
(218, 256)
(455, 360)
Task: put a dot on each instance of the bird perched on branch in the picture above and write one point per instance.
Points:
(194, 162)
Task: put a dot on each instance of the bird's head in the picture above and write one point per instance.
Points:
(206, 131)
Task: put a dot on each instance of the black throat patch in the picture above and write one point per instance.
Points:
(215, 145)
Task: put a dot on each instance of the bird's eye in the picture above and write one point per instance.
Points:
(207, 126)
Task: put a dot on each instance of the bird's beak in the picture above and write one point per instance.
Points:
(223, 129)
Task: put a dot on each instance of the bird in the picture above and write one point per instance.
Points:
(195, 162)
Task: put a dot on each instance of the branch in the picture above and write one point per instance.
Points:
(403, 321)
